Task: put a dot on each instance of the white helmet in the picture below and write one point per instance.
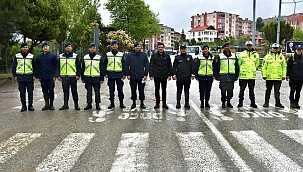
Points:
(248, 43)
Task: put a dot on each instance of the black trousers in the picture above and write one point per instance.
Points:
(89, 88)
(48, 86)
(277, 86)
(111, 85)
(251, 86)
(163, 82)
(295, 89)
(67, 83)
(133, 86)
(183, 82)
(227, 89)
(23, 86)
(205, 88)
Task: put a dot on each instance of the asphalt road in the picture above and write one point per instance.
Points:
(215, 139)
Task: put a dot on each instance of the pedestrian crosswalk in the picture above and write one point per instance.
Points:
(132, 151)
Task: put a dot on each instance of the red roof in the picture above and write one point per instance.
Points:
(257, 37)
(198, 28)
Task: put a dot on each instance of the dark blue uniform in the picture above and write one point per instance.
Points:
(45, 71)
(25, 81)
(137, 66)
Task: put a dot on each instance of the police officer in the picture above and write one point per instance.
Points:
(204, 74)
(160, 71)
(23, 72)
(248, 64)
(114, 62)
(295, 77)
(92, 75)
(45, 70)
(226, 69)
(136, 70)
(274, 71)
(69, 68)
(183, 71)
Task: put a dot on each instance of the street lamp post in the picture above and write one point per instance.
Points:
(279, 22)
(254, 24)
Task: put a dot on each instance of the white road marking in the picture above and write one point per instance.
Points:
(131, 154)
(197, 153)
(65, 155)
(241, 165)
(265, 153)
(297, 135)
(9, 148)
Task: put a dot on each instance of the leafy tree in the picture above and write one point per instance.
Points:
(125, 41)
(193, 41)
(183, 37)
(240, 40)
(259, 24)
(298, 35)
(177, 45)
(230, 39)
(270, 32)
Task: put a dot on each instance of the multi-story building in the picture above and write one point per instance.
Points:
(225, 23)
(245, 26)
(203, 33)
(295, 20)
(167, 37)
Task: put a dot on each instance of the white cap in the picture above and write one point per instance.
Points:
(248, 43)
(275, 45)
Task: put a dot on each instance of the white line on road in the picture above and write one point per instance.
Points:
(241, 165)
(197, 153)
(14, 144)
(265, 153)
(131, 154)
(297, 135)
(64, 156)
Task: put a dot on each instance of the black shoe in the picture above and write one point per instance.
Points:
(45, 107)
(293, 105)
(297, 105)
(229, 105)
(65, 106)
(88, 106)
(223, 105)
(202, 106)
(178, 106)
(142, 106)
(253, 105)
(207, 104)
(265, 105)
(23, 108)
(121, 104)
(97, 106)
(165, 106)
(187, 106)
(111, 106)
(30, 106)
(240, 105)
(133, 106)
(76, 105)
(279, 105)
(51, 105)
(156, 106)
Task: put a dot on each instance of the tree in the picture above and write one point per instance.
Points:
(230, 39)
(240, 40)
(298, 35)
(124, 40)
(183, 37)
(135, 17)
(270, 32)
(193, 41)
(259, 24)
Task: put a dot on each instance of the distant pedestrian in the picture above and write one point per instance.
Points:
(274, 71)
(45, 72)
(248, 65)
(204, 74)
(23, 72)
(136, 70)
(160, 71)
(69, 68)
(226, 69)
(183, 72)
(92, 75)
(114, 63)
(295, 77)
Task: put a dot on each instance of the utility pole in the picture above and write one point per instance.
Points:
(254, 24)
(279, 22)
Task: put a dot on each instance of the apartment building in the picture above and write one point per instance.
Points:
(168, 38)
(203, 33)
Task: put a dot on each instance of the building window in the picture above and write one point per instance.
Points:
(226, 32)
(214, 21)
(193, 33)
(214, 16)
(199, 34)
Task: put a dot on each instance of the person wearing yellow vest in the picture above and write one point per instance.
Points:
(92, 75)
(274, 71)
(226, 69)
(248, 64)
(113, 62)
(69, 68)
(204, 74)
(23, 72)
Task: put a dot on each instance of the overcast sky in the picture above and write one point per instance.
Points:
(177, 13)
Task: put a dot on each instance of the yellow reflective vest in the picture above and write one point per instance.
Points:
(248, 63)
(68, 65)
(24, 65)
(92, 66)
(227, 64)
(274, 66)
(114, 62)
(205, 67)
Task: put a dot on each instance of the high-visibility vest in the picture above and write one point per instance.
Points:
(205, 67)
(227, 64)
(248, 63)
(68, 65)
(92, 66)
(274, 66)
(114, 62)
(24, 64)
